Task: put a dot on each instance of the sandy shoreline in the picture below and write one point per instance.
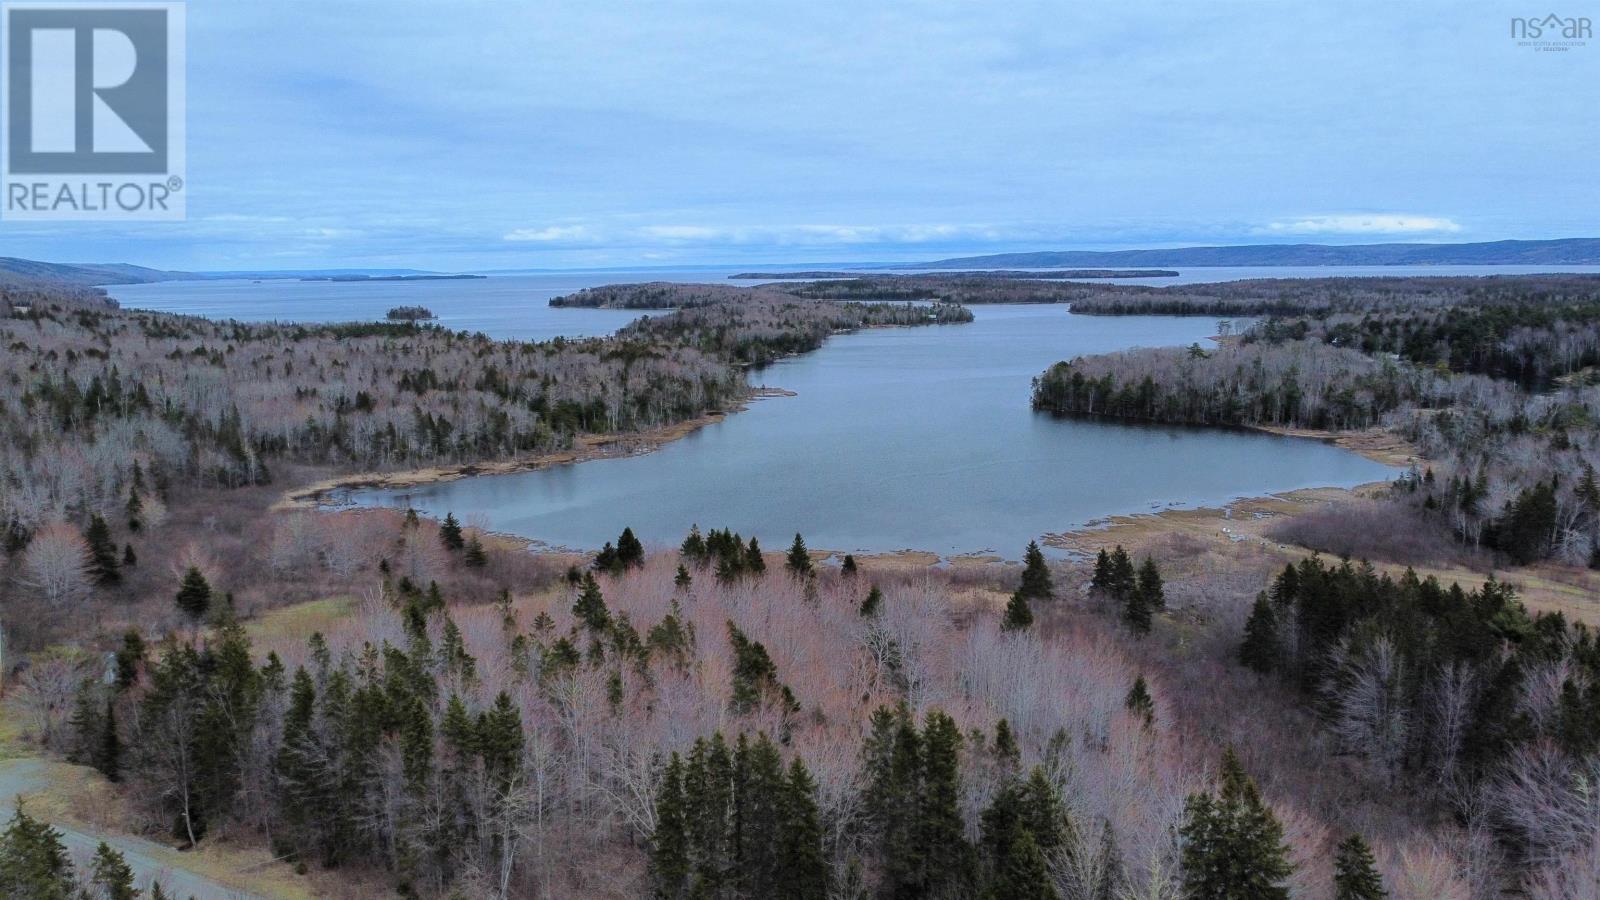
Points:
(585, 448)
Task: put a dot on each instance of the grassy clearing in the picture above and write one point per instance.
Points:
(296, 624)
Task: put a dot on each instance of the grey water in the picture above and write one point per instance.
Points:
(917, 438)
(902, 438)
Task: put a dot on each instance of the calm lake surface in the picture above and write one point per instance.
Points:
(904, 438)
(897, 438)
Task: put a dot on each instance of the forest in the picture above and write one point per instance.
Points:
(386, 704)
(95, 400)
(1495, 392)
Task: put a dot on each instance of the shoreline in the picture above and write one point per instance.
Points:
(585, 447)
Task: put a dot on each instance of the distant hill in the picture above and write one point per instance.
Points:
(82, 274)
(1565, 252)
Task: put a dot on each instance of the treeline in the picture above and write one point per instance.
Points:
(760, 330)
(91, 392)
(1488, 378)
(1533, 345)
(1461, 694)
(1300, 384)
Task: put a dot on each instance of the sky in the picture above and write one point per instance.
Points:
(551, 134)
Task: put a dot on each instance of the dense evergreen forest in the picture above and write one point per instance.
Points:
(1497, 391)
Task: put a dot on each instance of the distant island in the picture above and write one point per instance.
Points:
(987, 273)
(410, 314)
(343, 278)
(1564, 252)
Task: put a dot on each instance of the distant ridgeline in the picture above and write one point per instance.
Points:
(1562, 252)
(1495, 380)
(988, 273)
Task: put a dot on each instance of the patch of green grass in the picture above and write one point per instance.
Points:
(296, 624)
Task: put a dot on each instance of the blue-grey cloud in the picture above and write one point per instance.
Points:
(577, 133)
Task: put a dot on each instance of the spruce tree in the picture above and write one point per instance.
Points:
(107, 756)
(694, 546)
(848, 567)
(802, 868)
(1023, 874)
(873, 604)
(103, 554)
(630, 552)
(34, 861)
(450, 533)
(1233, 845)
(682, 581)
(1150, 587)
(1018, 615)
(798, 561)
(111, 875)
(1036, 582)
(1355, 873)
(1140, 703)
(1262, 649)
(475, 556)
(669, 843)
(129, 558)
(135, 510)
(590, 607)
(194, 594)
(1122, 581)
(1136, 613)
(1102, 572)
(753, 560)
(939, 827)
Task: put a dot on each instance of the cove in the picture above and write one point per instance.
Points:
(904, 438)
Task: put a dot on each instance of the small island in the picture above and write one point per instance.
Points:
(410, 314)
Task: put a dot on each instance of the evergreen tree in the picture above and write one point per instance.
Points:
(135, 510)
(1122, 582)
(694, 546)
(194, 594)
(939, 827)
(802, 869)
(669, 843)
(130, 657)
(1036, 582)
(753, 560)
(450, 533)
(103, 565)
(798, 561)
(1023, 874)
(1136, 613)
(129, 558)
(34, 862)
(1102, 572)
(630, 552)
(1140, 703)
(1018, 615)
(590, 607)
(107, 756)
(873, 604)
(112, 876)
(1355, 873)
(475, 555)
(682, 581)
(1262, 650)
(848, 567)
(1233, 845)
(1151, 591)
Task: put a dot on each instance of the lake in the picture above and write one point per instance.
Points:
(904, 438)
(901, 438)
